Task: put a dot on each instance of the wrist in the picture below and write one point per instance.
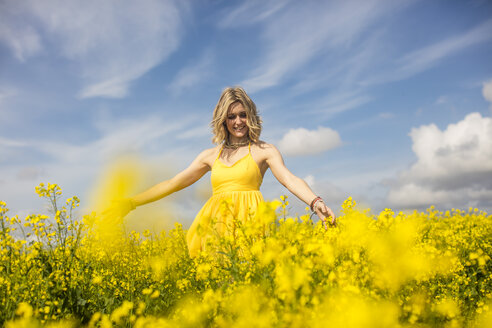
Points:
(314, 202)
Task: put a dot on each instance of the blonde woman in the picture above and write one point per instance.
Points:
(238, 164)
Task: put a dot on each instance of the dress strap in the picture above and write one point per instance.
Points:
(249, 147)
(220, 152)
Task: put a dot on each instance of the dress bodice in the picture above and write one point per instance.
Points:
(243, 175)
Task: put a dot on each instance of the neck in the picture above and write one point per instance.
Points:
(233, 140)
(235, 143)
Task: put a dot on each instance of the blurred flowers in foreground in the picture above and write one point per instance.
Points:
(429, 269)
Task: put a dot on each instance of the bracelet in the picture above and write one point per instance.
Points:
(314, 202)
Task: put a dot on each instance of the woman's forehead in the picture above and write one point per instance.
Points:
(236, 107)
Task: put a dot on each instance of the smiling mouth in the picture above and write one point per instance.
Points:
(239, 129)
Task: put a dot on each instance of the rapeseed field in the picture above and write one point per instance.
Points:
(420, 269)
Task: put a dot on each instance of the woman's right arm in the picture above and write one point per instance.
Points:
(190, 175)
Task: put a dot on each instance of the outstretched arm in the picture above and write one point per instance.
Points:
(182, 180)
(296, 185)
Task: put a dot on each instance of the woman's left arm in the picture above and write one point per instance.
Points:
(296, 185)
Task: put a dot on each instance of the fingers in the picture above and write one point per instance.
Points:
(118, 209)
(114, 213)
(333, 217)
(323, 212)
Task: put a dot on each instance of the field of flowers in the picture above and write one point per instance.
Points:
(430, 269)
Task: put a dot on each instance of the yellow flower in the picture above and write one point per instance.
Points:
(121, 312)
(97, 280)
(24, 310)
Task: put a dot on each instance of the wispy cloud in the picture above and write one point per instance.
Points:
(111, 42)
(22, 40)
(123, 135)
(250, 12)
(442, 100)
(5, 93)
(302, 31)
(192, 75)
(4, 142)
(77, 165)
(202, 131)
(336, 103)
(332, 108)
(422, 59)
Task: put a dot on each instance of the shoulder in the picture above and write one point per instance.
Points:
(266, 149)
(211, 151)
(209, 154)
(264, 146)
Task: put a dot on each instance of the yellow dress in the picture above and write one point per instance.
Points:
(236, 193)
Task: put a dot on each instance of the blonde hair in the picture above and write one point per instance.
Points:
(228, 97)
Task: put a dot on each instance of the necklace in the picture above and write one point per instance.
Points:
(235, 145)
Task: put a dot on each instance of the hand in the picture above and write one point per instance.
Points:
(118, 209)
(325, 213)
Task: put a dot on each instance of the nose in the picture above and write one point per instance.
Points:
(237, 120)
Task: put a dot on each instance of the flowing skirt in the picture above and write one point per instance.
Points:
(218, 214)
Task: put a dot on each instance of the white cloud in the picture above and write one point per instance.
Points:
(487, 92)
(111, 42)
(414, 195)
(308, 142)
(453, 168)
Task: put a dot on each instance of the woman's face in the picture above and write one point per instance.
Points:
(236, 121)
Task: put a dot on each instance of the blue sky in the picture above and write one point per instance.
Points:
(389, 102)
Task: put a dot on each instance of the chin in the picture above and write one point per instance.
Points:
(236, 134)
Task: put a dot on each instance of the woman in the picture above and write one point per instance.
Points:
(238, 165)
